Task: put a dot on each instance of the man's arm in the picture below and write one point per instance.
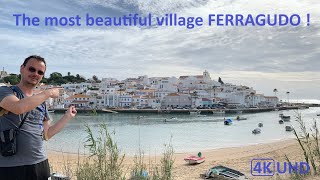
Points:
(20, 106)
(50, 131)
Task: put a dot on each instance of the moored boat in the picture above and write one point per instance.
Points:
(285, 118)
(256, 131)
(218, 112)
(289, 128)
(194, 159)
(227, 122)
(239, 118)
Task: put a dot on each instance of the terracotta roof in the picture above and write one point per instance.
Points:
(173, 94)
(78, 102)
(78, 96)
(271, 97)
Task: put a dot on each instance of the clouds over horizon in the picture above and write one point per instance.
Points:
(166, 51)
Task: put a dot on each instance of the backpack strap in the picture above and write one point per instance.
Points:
(19, 95)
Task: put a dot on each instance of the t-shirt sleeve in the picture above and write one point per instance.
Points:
(4, 92)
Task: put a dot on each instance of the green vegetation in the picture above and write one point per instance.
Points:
(106, 161)
(309, 144)
(162, 171)
(13, 79)
(54, 78)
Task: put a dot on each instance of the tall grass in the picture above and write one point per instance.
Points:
(161, 171)
(164, 171)
(105, 160)
(309, 144)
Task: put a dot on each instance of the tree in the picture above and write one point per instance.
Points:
(220, 81)
(56, 78)
(95, 78)
(13, 79)
(275, 91)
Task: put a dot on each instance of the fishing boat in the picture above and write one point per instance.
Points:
(195, 112)
(218, 112)
(289, 128)
(194, 159)
(239, 118)
(285, 118)
(256, 131)
(227, 122)
(201, 115)
(223, 172)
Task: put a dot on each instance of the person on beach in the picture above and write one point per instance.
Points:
(19, 102)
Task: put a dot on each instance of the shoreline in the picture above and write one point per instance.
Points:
(132, 153)
(187, 111)
(234, 157)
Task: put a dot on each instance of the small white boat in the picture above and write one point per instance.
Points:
(256, 131)
(239, 118)
(303, 107)
(194, 159)
(218, 112)
(201, 115)
(195, 112)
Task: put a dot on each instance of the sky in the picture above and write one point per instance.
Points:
(286, 58)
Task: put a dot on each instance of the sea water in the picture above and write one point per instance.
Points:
(186, 133)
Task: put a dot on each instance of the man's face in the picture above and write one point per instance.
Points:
(33, 72)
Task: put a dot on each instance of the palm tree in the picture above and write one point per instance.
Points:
(275, 91)
(288, 96)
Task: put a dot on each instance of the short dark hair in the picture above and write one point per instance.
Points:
(39, 58)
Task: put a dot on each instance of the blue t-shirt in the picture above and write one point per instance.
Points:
(30, 149)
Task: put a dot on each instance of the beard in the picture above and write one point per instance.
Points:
(31, 81)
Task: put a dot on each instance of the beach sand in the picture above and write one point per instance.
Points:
(237, 158)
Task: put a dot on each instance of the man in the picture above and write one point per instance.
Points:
(30, 161)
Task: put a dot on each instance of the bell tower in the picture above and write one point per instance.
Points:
(206, 76)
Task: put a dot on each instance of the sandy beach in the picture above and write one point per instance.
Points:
(237, 158)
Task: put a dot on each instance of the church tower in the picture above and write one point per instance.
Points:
(206, 76)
